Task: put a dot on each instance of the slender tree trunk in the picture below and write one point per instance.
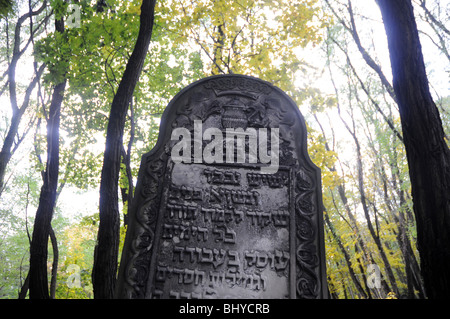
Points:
(333, 295)
(427, 153)
(364, 204)
(47, 199)
(341, 191)
(397, 213)
(353, 223)
(128, 190)
(106, 252)
(362, 270)
(24, 289)
(8, 146)
(374, 235)
(346, 257)
(54, 264)
(218, 51)
(402, 223)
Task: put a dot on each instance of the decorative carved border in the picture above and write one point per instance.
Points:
(306, 234)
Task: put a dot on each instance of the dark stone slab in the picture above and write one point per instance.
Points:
(228, 203)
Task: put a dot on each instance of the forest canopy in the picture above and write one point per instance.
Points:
(61, 68)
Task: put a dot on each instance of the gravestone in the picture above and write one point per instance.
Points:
(228, 203)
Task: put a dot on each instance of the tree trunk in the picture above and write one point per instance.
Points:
(9, 145)
(55, 263)
(47, 199)
(353, 223)
(346, 257)
(106, 252)
(374, 235)
(364, 203)
(128, 191)
(24, 289)
(427, 153)
(38, 284)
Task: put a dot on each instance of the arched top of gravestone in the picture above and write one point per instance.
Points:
(237, 101)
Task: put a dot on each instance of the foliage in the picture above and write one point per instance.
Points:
(14, 241)
(258, 38)
(75, 275)
(5, 7)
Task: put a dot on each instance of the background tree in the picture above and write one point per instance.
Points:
(257, 38)
(5, 7)
(13, 137)
(106, 252)
(353, 51)
(427, 152)
(42, 223)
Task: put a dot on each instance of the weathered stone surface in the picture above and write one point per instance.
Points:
(215, 219)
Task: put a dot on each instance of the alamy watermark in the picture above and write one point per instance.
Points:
(233, 140)
(74, 280)
(74, 18)
(374, 276)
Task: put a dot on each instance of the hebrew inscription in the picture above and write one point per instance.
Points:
(225, 233)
